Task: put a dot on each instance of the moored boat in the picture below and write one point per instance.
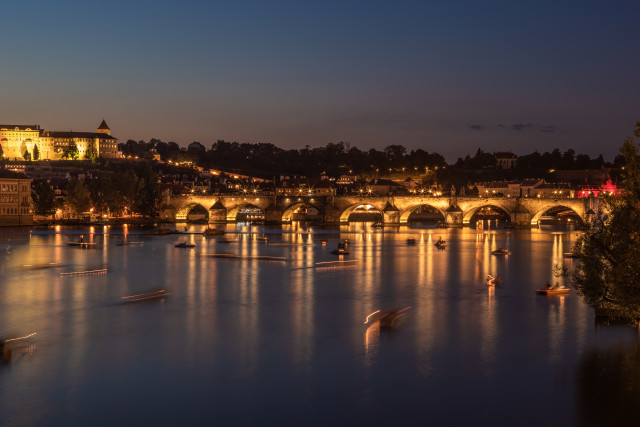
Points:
(500, 251)
(212, 232)
(185, 245)
(146, 296)
(553, 290)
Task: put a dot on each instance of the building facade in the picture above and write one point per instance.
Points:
(15, 140)
(15, 202)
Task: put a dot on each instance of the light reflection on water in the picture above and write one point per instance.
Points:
(241, 341)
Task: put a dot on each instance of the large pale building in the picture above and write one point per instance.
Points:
(16, 139)
(15, 201)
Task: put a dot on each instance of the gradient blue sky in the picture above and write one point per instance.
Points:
(447, 76)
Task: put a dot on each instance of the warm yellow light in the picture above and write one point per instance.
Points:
(369, 316)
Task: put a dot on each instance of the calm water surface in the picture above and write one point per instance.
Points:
(254, 342)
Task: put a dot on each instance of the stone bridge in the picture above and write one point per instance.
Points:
(456, 211)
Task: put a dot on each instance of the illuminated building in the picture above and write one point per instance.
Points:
(607, 188)
(15, 202)
(16, 139)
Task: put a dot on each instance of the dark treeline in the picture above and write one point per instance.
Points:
(548, 160)
(111, 190)
(335, 159)
(267, 159)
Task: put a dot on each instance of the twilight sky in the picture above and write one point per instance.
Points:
(444, 76)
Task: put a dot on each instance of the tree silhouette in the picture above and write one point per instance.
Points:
(609, 275)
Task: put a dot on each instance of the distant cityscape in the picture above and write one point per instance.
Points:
(89, 177)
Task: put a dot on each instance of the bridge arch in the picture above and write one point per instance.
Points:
(287, 215)
(182, 213)
(344, 216)
(232, 214)
(555, 209)
(469, 213)
(406, 213)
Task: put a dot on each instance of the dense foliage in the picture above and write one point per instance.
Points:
(268, 160)
(71, 152)
(609, 275)
(44, 200)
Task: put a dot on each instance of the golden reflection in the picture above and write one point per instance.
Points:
(302, 283)
(248, 296)
(556, 321)
(427, 307)
(485, 262)
(557, 259)
(489, 327)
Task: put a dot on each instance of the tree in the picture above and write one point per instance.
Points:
(608, 276)
(1, 152)
(26, 155)
(44, 199)
(78, 196)
(148, 196)
(71, 152)
(36, 152)
(91, 153)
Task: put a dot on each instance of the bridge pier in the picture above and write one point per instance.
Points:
(391, 214)
(273, 215)
(331, 214)
(520, 217)
(453, 216)
(217, 213)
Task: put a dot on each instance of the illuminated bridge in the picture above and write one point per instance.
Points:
(454, 211)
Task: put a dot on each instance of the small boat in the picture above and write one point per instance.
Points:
(6, 350)
(212, 232)
(340, 251)
(440, 244)
(185, 245)
(493, 280)
(553, 290)
(162, 232)
(146, 296)
(83, 245)
(411, 241)
(388, 318)
(249, 257)
(377, 224)
(324, 242)
(500, 251)
(225, 240)
(570, 255)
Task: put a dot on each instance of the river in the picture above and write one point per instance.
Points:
(253, 340)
